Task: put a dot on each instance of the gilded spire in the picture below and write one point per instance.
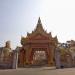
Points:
(39, 26)
(39, 21)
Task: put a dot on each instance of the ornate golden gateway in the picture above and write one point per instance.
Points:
(37, 41)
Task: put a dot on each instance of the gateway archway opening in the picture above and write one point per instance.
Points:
(39, 57)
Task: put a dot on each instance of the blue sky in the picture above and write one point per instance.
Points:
(17, 17)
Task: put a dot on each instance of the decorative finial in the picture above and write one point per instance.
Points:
(39, 21)
(56, 39)
(39, 27)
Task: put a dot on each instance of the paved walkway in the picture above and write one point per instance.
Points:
(38, 71)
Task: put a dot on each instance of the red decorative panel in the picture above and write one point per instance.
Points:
(39, 37)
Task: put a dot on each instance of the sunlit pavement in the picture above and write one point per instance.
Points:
(38, 71)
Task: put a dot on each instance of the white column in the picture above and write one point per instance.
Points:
(15, 60)
(57, 58)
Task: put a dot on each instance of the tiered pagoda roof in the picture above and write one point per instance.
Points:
(38, 32)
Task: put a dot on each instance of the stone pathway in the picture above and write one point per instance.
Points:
(38, 71)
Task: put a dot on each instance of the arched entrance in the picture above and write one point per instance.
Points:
(39, 56)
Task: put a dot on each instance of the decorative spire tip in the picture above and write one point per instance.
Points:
(39, 21)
